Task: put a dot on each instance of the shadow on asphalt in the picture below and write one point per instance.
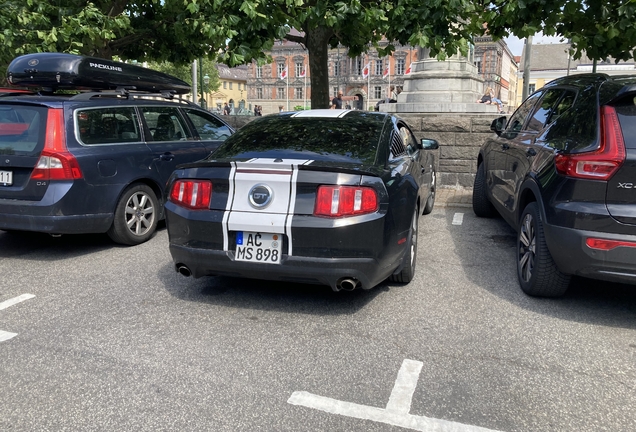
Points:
(492, 266)
(44, 247)
(255, 294)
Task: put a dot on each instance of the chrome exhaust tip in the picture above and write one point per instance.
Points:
(348, 284)
(183, 270)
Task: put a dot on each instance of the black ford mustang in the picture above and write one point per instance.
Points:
(324, 196)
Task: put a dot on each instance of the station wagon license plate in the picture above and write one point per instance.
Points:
(258, 247)
(6, 178)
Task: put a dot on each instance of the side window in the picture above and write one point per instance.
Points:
(165, 124)
(519, 117)
(563, 105)
(208, 127)
(398, 149)
(107, 125)
(544, 110)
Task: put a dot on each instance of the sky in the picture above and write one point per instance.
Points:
(516, 45)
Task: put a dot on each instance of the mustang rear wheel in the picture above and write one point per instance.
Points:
(430, 202)
(481, 205)
(409, 262)
(536, 269)
(135, 216)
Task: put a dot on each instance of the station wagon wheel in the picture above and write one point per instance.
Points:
(409, 262)
(537, 272)
(430, 202)
(135, 216)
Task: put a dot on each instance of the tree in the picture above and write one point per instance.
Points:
(184, 72)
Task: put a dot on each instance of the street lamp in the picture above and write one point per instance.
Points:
(206, 80)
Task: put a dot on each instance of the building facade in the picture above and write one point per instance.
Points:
(233, 89)
(497, 66)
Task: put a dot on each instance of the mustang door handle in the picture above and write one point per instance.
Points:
(531, 152)
(505, 146)
(166, 157)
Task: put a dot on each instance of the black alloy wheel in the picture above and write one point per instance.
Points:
(537, 272)
(430, 202)
(409, 262)
(481, 204)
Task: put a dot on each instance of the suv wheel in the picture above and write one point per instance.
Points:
(135, 216)
(409, 262)
(481, 205)
(537, 271)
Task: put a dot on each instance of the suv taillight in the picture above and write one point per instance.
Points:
(193, 194)
(599, 164)
(337, 201)
(56, 163)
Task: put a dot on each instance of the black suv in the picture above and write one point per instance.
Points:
(562, 172)
(97, 161)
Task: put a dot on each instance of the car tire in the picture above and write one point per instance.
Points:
(409, 262)
(136, 216)
(537, 272)
(430, 202)
(481, 204)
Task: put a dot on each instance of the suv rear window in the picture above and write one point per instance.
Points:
(626, 110)
(21, 129)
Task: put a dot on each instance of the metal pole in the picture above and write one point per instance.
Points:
(526, 69)
(195, 90)
(202, 82)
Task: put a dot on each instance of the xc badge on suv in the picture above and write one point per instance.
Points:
(562, 172)
(97, 161)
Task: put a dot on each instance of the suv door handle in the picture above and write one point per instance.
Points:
(531, 152)
(505, 146)
(166, 156)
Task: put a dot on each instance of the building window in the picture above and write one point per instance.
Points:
(259, 71)
(335, 91)
(379, 67)
(281, 68)
(259, 93)
(357, 66)
(531, 88)
(224, 84)
(239, 86)
(280, 93)
(377, 92)
(478, 65)
(230, 85)
(336, 68)
(299, 92)
(399, 67)
(299, 69)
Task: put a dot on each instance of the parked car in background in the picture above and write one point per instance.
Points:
(97, 161)
(329, 197)
(562, 172)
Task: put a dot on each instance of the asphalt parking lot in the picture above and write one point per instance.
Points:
(95, 336)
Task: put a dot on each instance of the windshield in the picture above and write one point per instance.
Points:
(352, 139)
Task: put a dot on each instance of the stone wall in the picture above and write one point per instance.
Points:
(459, 136)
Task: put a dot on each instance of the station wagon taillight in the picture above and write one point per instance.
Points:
(193, 194)
(337, 201)
(599, 164)
(56, 162)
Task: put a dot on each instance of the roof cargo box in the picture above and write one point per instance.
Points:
(58, 71)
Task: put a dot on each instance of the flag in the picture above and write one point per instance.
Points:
(283, 74)
(365, 70)
(386, 72)
(302, 74)
(408, 71)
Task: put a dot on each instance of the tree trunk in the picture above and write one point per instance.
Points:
(317, 45)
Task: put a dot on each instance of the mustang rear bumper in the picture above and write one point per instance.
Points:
(323, 271)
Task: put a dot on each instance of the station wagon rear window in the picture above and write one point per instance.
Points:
(21, 129)
(107, 125)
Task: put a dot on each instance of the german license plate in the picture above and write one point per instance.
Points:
(258, 247)
(6, 178)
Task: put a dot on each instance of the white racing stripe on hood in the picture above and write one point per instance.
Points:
(280, 176)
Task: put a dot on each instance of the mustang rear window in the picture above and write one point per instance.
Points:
(21, 129)
(354, 139)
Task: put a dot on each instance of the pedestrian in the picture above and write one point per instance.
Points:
(497, 101)
(336, 103)
(486, 98)
(226, 109)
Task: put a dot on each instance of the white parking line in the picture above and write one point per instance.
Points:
(397, 410)
(4, 335)
(15, 300)
(458, 218)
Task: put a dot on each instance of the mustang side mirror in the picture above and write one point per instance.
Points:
(498, 125)
(429, 144)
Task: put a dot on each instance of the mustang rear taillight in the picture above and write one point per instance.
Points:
(604, 244)
(337, 201)
(56, 163)
(193, 194)
(599, 164)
